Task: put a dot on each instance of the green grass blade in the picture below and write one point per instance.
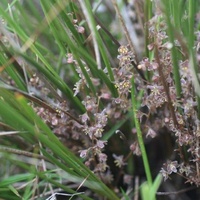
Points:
(15, 178)
(88, 10)
(139, 135)
(176, 73)
(40, 131)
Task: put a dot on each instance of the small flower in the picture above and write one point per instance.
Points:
(101, 167)
(172, 167)
(151, 133)
(145, 64)
(70, 58)
(101, 118)
(151, 46)
(125, 57)
(102, 157)
(105, 95)
(185, 169)
(84, 118)
(128, 179)
(117, 100)
(83, 153)
(123, 87)
(98, 131)
(119, 160)
(123, 50)
(54, 121)
(101, 144)
(90, 104)
(155, 89)
(164, 174)
(80, 29)
(125, 60)
(135, 148)
(77, 87)
(107, 177)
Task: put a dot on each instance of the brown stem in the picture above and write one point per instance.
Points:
(166, 88)
(42, 103)
(175, 192)
(21, 152)
(114, 2)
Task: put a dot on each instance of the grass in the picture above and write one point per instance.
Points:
(83, 116)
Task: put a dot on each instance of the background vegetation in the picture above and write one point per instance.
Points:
(99, 99)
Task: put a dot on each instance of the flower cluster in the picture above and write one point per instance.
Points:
(123, 76)
(95, 119)
(81, 85)
(164, 109)
(37, 86)
(160, 93)
(169, 168)
(93, 126)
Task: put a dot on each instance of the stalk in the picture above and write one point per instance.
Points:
(139, 135)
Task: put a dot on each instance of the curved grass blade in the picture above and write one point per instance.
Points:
(37, 129)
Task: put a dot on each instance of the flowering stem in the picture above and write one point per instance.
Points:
(166, 88)
(125, 29)
(139, 135)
